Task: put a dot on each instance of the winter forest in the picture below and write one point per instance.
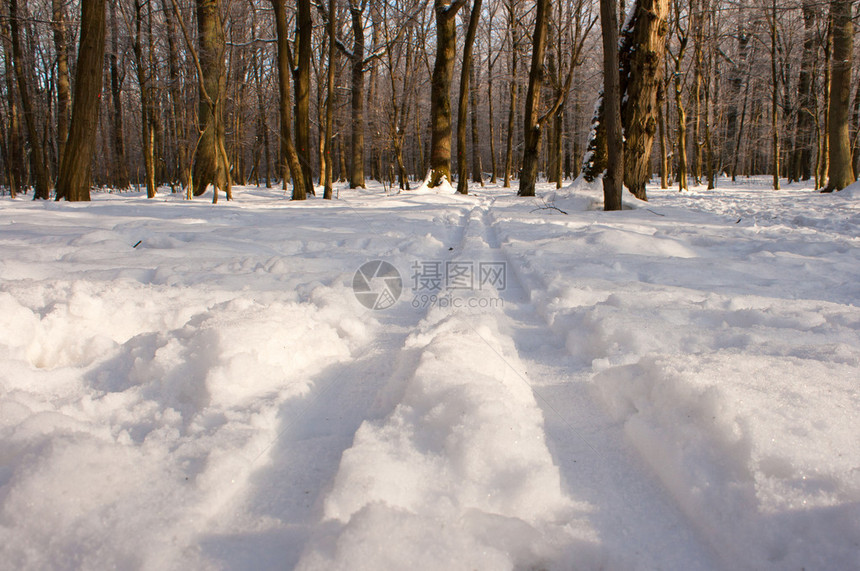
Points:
(227, 92)
(436, 285)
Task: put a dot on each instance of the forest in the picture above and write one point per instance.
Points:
(199, 94)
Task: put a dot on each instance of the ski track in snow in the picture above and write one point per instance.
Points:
(663, 388)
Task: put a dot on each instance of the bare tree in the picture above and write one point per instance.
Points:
(73, 182)
(64, 92)
(841, 171)
(465, 75)
(440, 96)
(289, 157)
(642, 45)
(37, 159)
(612, 181)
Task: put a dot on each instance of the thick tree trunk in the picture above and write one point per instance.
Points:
(289, 163)
(532, 127)
(211, 165)
(643, 45)
(613, 179)
(440, 97)
(302, 87)
(462, 109)
(73, 182)
(356, 175)
(37, 158)
(841, 170)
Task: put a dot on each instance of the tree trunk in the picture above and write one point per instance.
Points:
(73, 182)
(642, 46)
(532, 127)
(697, 22)
(477, 167)
(801, 162)
(329, 104)
(513, 27)
(613, 179)
(37, 158)
(14, 149)
(178, 119)
(64, 91)
(465, 75)
(302, 87)
(356, 176)
(774, 102)
(440, 99)
(143, 79)
(678, 58)
(119, 168)
(823, 166)
(841, 170)
(661, 124)
(211, 165)
(289, 163)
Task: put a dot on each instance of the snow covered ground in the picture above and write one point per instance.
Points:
(197, 386)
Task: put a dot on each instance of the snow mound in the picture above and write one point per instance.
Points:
(444, 187)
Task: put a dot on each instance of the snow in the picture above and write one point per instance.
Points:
(675, 385)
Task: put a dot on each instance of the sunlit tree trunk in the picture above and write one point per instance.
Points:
(64, 90)
(642, 48)
(440, 97)
(801, 162)
(211, 165)
(532, 128)
(73, 182)
(841, 171)
(289, 162)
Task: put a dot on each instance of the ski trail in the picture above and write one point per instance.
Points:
(265, 517)
(460, 465)
(633, 513)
